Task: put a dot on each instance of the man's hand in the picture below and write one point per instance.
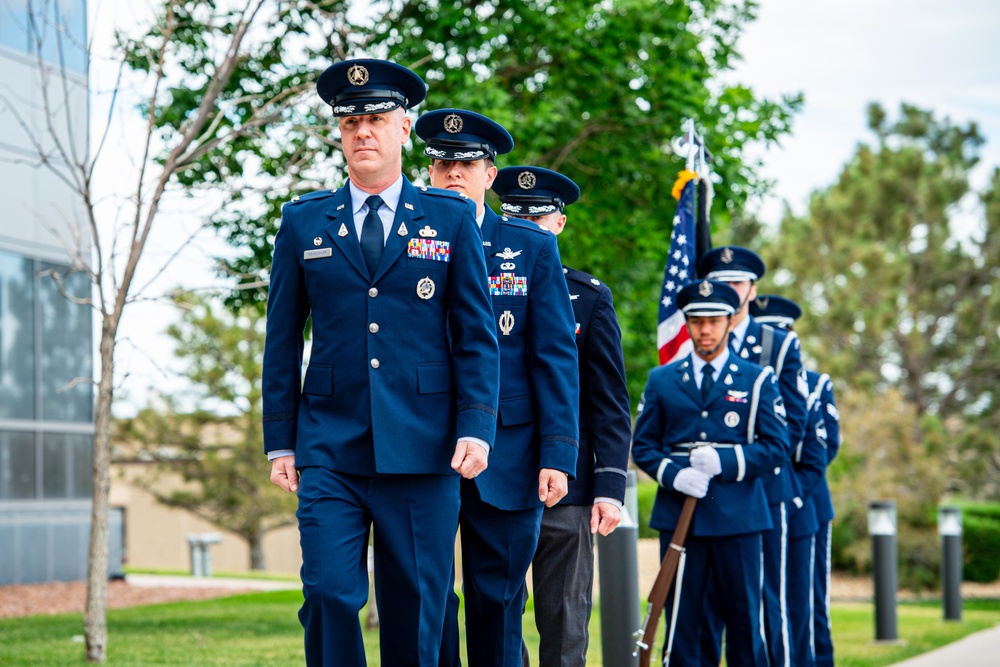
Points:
(470, 459)
(552, 486)
(284, 474)
(692, 482)
(706, 459)
(604, 518)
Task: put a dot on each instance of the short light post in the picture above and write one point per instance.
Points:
(882, 528)
(618, 569)
(950, 530)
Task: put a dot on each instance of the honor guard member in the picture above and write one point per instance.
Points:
(537, 432)
(402, 384)
(824, 429)
(562, 570)
(741, 268)
(710, 425)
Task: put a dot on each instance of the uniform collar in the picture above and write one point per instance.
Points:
(390, 196)
(717, 364)
(738, 333)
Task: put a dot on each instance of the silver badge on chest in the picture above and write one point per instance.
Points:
(506, 322)
(425, 288)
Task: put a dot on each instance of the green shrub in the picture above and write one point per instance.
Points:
(646, 495)
(981, 544)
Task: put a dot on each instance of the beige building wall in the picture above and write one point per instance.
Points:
(156, 535)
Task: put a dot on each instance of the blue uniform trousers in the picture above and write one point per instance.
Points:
(414, 518)
(500, 543)
(821, 597)
(801, 573)
(776, 623)
(731, 566)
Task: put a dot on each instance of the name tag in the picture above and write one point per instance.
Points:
(316, 254)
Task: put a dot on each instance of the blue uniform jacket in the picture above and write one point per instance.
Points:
(539, 387)
(786, 362)
(827, 432)
(743, 411)
(809, 463)
(605, 417)
(394, 376)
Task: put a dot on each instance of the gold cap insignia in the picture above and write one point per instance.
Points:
(453, 123)
(727, 256)
(762, 302)
(526, 180)
(705, 289)
(357, 75)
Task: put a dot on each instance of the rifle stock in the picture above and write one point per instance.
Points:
(646, 635)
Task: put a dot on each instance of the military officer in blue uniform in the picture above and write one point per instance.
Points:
(562, 571)
(741, 268)
(402, 383)
(823, 429)
(537, 433)
(710, 426)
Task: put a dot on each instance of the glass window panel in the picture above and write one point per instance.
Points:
(80, 484)
(17, 337)
(14, 24)
(17, 465)
(56, 466)
(67, 346)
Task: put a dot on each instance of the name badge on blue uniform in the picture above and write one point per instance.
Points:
(316, 254)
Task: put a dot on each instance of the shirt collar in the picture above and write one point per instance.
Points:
(717, 364)
(739, 331)
(390, 196)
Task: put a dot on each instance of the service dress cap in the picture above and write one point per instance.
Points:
(533, 191)
(367, 85)
(775, 310)
(463, 136)
(732, 264)
(708, 298)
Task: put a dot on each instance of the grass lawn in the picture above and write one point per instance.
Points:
(262, 629)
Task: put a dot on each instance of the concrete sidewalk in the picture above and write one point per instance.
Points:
(980, 649)
(178, 581)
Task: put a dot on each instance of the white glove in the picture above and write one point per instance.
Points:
(691, 482)
(706, 459)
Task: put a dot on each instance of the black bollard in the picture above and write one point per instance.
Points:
(950, 530)
(618, 567)
(882, 528)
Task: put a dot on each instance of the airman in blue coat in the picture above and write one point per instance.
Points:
(822, 434)
(711, 425)
(761, 344)
(562, 570)
(402, 382)
(537, 437)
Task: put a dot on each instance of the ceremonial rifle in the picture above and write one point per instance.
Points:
(646, 635)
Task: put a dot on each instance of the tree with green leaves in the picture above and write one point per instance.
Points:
(596, 90)
(898, 295)
(217, 447)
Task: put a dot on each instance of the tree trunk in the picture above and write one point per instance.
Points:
(257, 562)
(95, 615)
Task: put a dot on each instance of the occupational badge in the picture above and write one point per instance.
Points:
(508, 266)
(734, 396)
(428, 233)
(731, 419)
(317, 241)
(744, 353)
(357, 75)
(526, 180)
(685, 377)
(343, 230)
(728, 380)
(425, 288)
(402, 231)
(727, 256)
(508, 254)
(453, 123)
(705, 289)
(506, 322)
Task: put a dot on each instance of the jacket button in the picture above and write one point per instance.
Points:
(704, 414)
(373, 327)
(375, 363)
(703, 436)
(373, 292)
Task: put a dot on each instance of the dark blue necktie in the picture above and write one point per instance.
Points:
(372, 238)
(732, 340)
(707, 380)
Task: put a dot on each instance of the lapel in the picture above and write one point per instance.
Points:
(408, 211)
(342, 218)
(721, 388)
(753, 331)
(685, 373)
(491, 235)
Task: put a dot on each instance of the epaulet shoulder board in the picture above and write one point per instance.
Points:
(440, 192)
(583, 278)
(523, 224)
(318, 194)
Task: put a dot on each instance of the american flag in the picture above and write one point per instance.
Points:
(671, 335)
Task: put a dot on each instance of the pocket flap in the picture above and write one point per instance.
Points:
(517, 411)
(319, 380)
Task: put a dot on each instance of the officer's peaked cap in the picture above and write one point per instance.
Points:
(776, 310)
(731, 264)
(533, 191)
(366, 85)
(457, 134)
(708, 298)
